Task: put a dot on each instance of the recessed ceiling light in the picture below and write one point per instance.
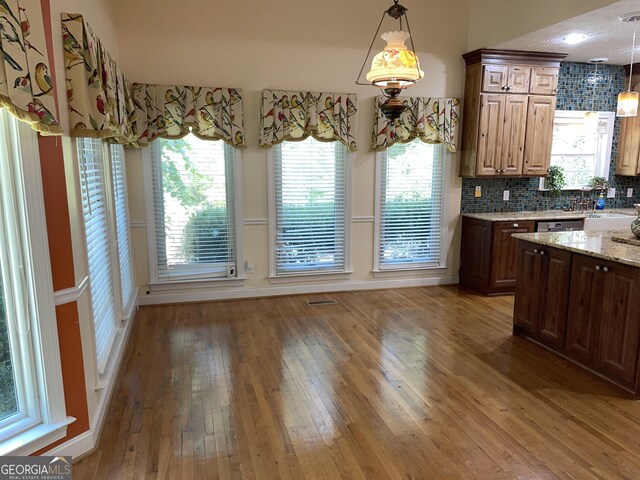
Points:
(574, 38)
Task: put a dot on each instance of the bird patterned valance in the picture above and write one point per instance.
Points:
(98, 94)
(432, 120)
(26, 85)
(296, 115)
(170, 111)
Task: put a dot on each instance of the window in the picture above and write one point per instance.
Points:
(119, 177)
(32, 410)
(310, 208)
(409, 206)
(582, 154)
(194, 197)
(100, 249)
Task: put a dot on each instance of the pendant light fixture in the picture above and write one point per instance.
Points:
(591, 117)
(628, 101)
(396, 67)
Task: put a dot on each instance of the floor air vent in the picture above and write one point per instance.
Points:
(321, 302)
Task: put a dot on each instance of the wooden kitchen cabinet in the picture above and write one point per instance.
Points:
(584, 308)
(629, 146)
(543, 294)
(508, 111)
(489, 255)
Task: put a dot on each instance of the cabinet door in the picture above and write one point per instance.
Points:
(475, 253)
(504, 264)
(537, 149)
(527, 309)
(494, 78)
(629, 147)
(490, 135)
(585, 306)
(518, 79)
(617, 349)
(544, 81)
(515, 122)
(556, 278)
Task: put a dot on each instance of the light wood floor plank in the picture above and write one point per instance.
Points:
(394, 384)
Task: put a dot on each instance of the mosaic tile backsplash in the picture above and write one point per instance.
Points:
(575, 89)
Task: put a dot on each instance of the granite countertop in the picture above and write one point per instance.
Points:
(543, 215)
(596, 244)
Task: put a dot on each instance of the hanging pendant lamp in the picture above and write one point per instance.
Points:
(396, 67)
(628, 101)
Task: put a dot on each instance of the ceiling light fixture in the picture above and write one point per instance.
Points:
(574, 38)
(628, 101)
(396, 67)
(591, 117)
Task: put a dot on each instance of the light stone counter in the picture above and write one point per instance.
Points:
(543, 215)
(596, 244)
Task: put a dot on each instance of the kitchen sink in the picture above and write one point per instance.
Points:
(607, 221)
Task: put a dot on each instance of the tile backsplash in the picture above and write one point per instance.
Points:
(575, 90)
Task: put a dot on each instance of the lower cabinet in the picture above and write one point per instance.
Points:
(489, 255)
(543, 295)
(584, 308)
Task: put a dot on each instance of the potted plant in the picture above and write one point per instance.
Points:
(599, 183)
(555, 179)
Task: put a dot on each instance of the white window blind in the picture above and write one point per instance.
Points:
(99, 248)
(119, 178)
(194, 211)
(410, 205)
(310, 201)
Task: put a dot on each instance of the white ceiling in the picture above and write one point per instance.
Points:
(607, 36)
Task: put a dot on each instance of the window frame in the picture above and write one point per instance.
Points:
(274, 276)
(47, 411)
(378, 268)
(603, 164)
(159, 283)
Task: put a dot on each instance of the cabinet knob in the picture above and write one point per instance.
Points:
(541, 252)
(597, 268)
(515, 225)
(504, 87)
(508, 88)
(535, 250)
(605, 269)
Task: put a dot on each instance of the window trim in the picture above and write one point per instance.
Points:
(180, 281)
(48, 383)
(406, 269)
(604, 162)
(345, 273)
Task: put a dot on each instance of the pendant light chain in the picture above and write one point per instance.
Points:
(593, 91)
(633, 47)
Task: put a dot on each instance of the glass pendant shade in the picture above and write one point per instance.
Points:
(627, 104)
(396, 66)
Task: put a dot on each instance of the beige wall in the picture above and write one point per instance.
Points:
(288, 44)
(495, 21)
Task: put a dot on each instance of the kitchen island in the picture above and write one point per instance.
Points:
(578, 294)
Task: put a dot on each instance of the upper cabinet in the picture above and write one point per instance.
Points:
(508, 112)
(629, 146)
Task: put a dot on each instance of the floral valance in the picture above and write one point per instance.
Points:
(170, 111)
(98, 94)
(26, 86)
(296, 115)
(432, 120)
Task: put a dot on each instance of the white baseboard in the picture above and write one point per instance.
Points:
(82, 444)
(272, 291)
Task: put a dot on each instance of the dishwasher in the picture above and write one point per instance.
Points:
(562, 226)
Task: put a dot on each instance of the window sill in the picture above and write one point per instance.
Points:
(309, 277)
(407, 271)
(35, 438)
(173, 285)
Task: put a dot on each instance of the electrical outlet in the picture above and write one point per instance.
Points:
(611, 193)
(248, 266)
(505, 195)
(478, 193)
(629, 192)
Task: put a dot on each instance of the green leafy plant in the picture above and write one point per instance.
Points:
(555, 179)
(599, 183)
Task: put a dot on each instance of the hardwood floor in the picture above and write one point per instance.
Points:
(418, 383)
